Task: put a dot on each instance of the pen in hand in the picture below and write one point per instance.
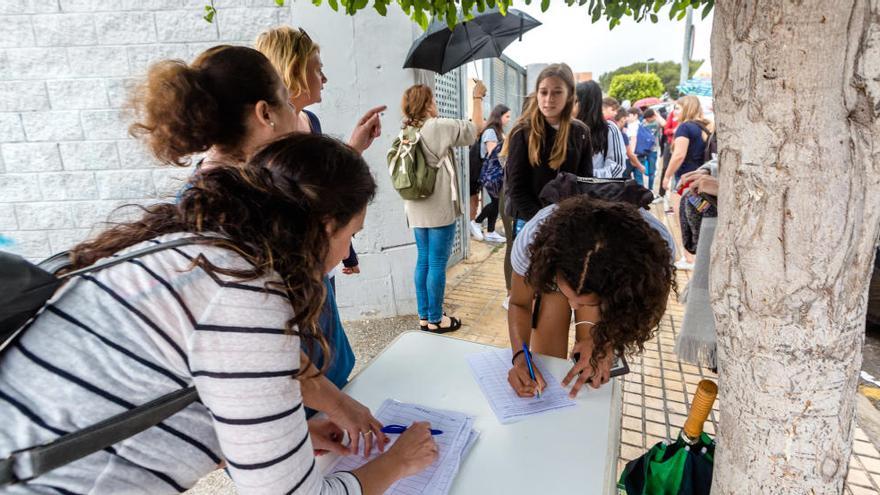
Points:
(531, 367)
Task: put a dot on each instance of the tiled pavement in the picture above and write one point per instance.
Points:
(658, 390)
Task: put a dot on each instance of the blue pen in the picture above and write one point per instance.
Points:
(531, 369)
(398, 429)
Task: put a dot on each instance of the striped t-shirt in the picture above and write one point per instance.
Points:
(120, 337)
(521, 251)
(611, 164)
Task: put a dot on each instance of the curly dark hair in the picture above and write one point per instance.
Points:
(273, 212)
(607, 249)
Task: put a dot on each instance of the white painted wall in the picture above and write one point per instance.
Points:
(65, 158)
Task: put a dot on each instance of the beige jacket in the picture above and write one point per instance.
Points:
(439, 137)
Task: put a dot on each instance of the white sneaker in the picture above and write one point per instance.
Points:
(682, 264)
(476, 230)
(506, 303)
(495, 237)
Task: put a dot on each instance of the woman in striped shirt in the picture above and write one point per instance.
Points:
(228, 315)
(228, 103)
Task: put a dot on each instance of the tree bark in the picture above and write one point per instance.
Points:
(797, 99)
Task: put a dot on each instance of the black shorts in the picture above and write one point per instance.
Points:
(475, 186)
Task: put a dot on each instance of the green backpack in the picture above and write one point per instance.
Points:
(411, 175)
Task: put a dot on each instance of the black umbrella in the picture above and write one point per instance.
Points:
(485, 36)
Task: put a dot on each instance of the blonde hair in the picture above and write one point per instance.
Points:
(289, 49)
(692, 110)
(534, 119)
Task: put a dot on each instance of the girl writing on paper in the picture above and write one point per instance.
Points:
(609, 263)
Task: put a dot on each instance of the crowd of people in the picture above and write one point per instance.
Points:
(245, 310)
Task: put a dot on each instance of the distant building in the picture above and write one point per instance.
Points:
(580, 77)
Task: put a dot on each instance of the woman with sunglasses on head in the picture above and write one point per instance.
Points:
(229, 102)
(610, 264)
(297, 59)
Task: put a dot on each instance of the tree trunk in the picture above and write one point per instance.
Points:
(797, 98)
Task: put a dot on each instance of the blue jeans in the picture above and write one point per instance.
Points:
(631, 171)
(650, 163)
(434, 245)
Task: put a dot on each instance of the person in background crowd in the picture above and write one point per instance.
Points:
(475, 187)
(633, 163)
(545, 142)
(433, 218)
(688, 150)
(609, 151)
(610, 106)
(633, 118)
(697, 341)
(491, 140)
(669, 134)
(609, 263)
(654, 123)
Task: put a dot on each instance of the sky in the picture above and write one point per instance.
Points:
(567, 35)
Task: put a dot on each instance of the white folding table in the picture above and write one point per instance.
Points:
(571, 450)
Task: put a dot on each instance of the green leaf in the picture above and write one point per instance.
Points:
(451, 18)
(316, 3)
(654, 18)
(280, 3)
(545, 4)
(420, 18)
(380, 6)
(708, 8)
(333, 5)
(597, 14)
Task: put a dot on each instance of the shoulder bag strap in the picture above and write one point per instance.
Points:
(27, 464)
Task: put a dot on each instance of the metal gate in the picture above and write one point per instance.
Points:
(450, 93)
(506, 81)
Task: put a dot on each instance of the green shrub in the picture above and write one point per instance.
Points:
(635, 86)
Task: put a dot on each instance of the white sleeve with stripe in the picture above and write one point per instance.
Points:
(242, 364)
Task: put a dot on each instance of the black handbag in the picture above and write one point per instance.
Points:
(566, 185)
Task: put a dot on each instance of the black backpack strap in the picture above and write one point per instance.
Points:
(130, 256)
(29, 463)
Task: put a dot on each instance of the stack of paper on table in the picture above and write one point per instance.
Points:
(454, 443)
(490, 369)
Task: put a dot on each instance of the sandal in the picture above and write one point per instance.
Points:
(423, 323)
(454, 324)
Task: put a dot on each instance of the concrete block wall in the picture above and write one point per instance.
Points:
(67, 162)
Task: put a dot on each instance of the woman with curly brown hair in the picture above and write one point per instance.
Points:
(610, 263)
(227, 103)
(226, 313)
